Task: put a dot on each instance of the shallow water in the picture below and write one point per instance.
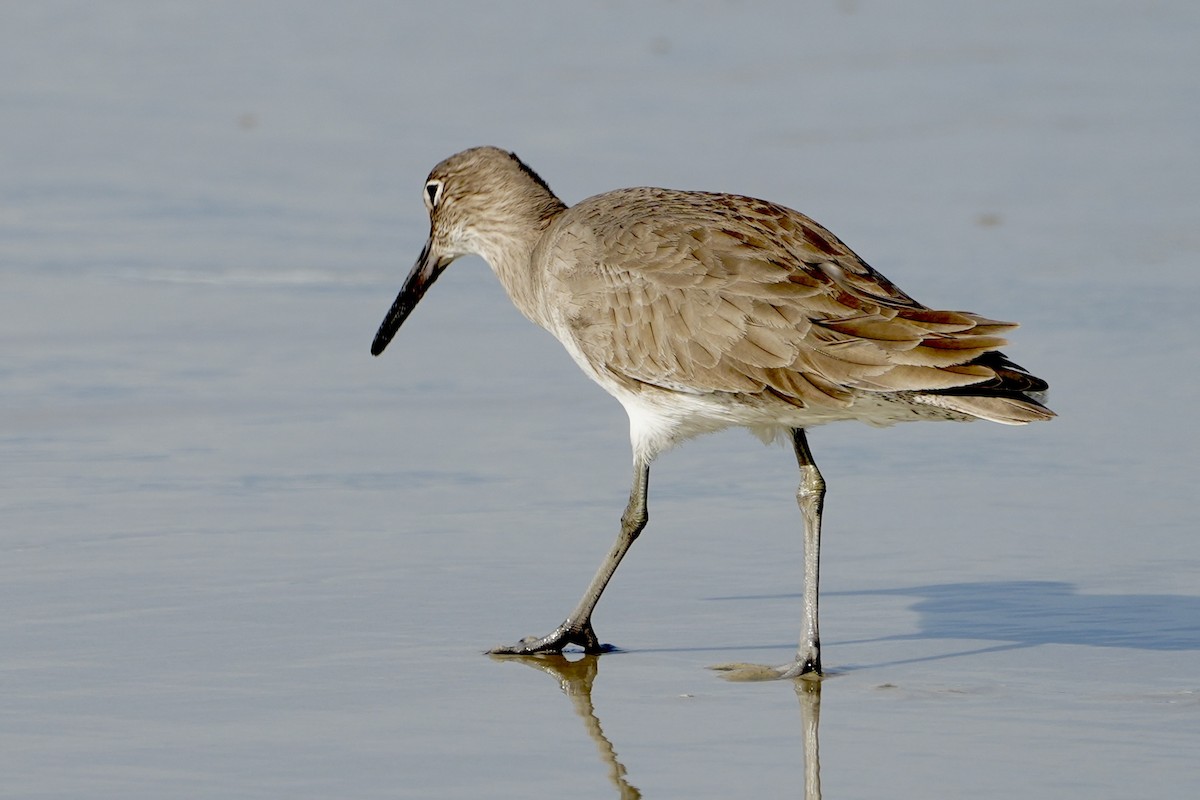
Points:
(241, 557)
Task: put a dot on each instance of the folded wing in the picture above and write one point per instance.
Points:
(724, 294)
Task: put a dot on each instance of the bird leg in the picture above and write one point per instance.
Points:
(811, 498)
(577, 628)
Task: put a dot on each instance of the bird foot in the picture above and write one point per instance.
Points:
(566, 634)
(801, 668)
(808, 667)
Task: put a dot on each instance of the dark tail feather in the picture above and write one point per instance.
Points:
(1013, 397)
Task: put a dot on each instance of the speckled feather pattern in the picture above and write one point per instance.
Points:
(702, 311)
(708, 310)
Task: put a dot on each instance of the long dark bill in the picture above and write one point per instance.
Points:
(423, 274)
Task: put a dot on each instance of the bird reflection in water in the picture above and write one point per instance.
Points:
(809, 693)
(576, 676)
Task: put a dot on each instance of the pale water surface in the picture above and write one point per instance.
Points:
(239, 557)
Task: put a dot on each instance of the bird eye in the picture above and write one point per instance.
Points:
(433, 193)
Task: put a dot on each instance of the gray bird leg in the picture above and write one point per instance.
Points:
(811, 498)
(577, 628)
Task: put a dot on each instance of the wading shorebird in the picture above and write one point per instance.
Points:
(702, 311)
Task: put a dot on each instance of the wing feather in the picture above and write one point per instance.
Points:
(724, 294)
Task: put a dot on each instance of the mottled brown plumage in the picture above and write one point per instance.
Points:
(691, 291)
(701, 311)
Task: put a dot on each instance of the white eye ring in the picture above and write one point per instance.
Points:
(433, 193)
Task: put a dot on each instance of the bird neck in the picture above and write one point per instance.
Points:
(509, 252)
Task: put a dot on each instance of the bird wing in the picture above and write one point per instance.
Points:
(699, 292)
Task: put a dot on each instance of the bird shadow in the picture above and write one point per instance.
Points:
(1020, 614)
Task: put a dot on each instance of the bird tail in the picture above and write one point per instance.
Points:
(1013, 397)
